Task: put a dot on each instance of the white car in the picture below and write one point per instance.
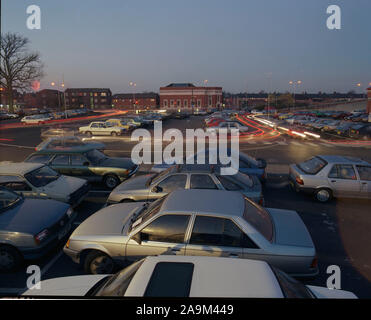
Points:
(189, 276)
(102, 128)
(40, 181)
(36, 119)
(228, 125)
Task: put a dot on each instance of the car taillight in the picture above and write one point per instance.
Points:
(314, 263)
(299, 181)
(41, 236)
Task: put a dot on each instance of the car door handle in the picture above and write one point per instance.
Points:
(175, 249)
(333, 180)
(233, 255)
(364, 182)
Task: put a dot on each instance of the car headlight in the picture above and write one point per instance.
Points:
(69, 212)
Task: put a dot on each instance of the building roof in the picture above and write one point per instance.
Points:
(89, 89)
(205, 201)
(179, 85)
(20, 168)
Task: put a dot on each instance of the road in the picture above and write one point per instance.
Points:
(340, 229)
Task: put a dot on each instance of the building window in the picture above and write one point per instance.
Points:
(103, 94)
(178, 103)
(103, 100)
(84, 94)
(95, 94)
(96, 100)
(185, 103)
(171, 103)
(199, 103)
(210, 101)
(165, 103)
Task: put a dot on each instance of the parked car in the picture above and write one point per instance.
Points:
(30, 227)
(187, 276)
(88, 163)
(327, 176)
(361, 131)
(247, 164)
(154, 186)
(55, 143)
(228, 125)
(219, 223)
(121, 123)
(102, 128)
(36, 119)
(41, 181)
(343, 129)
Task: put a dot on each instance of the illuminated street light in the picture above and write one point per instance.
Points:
(295, 83)
(133, 84)
(59, 98)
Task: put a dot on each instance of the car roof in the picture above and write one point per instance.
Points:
(215, 277)
(215, 202)
(342, 159)
(75, 149)
(8, 168)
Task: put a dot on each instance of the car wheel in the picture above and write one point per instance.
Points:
(323, 195)
(10, 259)
(88, 133)
(111, 181)
(113, 134)
(97, 262)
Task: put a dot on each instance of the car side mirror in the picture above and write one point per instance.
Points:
(86, 163)
(156, 189)
(137, 237)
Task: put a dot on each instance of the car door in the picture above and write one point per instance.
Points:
(343, 180)
(167, 185)
(364, 173)
(61, 164)
(214, 236)
(79, 166)
(164, 235)
(94, 128)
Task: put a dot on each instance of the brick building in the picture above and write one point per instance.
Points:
(140, 100)
(187, 97)
(88, 97)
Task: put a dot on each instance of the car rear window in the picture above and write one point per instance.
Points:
(170, 279)
(259, 218)
(312, 166)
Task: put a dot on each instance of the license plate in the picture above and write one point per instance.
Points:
(64, 232)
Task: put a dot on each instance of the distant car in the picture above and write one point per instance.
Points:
(247, 164)
(39, 180)
(228, 125)
(36, 119)
(56, 132)
(121, 123)
(29, 227)
(63, 142)
(102, 128)
(193, 222)
(327, 176)
(361, 131)
(151, 187)
(88, 163)
(187, 276)
(343, 129)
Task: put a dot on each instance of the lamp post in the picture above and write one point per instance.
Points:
(133, 85)
(59, 99)
(295, 83)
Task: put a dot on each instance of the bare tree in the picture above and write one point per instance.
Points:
(19, 66)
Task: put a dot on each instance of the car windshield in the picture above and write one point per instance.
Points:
(117, 284)
(95, 156)
(290, 287)
(259, 218)
(8, 198)
(312, 166)
(42, 176)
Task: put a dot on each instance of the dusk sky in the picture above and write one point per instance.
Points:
(236, 44)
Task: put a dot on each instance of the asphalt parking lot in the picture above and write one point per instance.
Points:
(340, 229)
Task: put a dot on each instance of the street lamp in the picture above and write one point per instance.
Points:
(59, 98)
(133, 84)
(295, 83)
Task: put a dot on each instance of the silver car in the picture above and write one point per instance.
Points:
(154, 186)
(193, 223)
(30, 227)
(327, 176)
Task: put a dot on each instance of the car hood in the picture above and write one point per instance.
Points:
(124, 163)
(66, 286)
(290, 229)
(325, 293)
(32, 215)
(107, 221)
(133, 183)
(64, 185)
